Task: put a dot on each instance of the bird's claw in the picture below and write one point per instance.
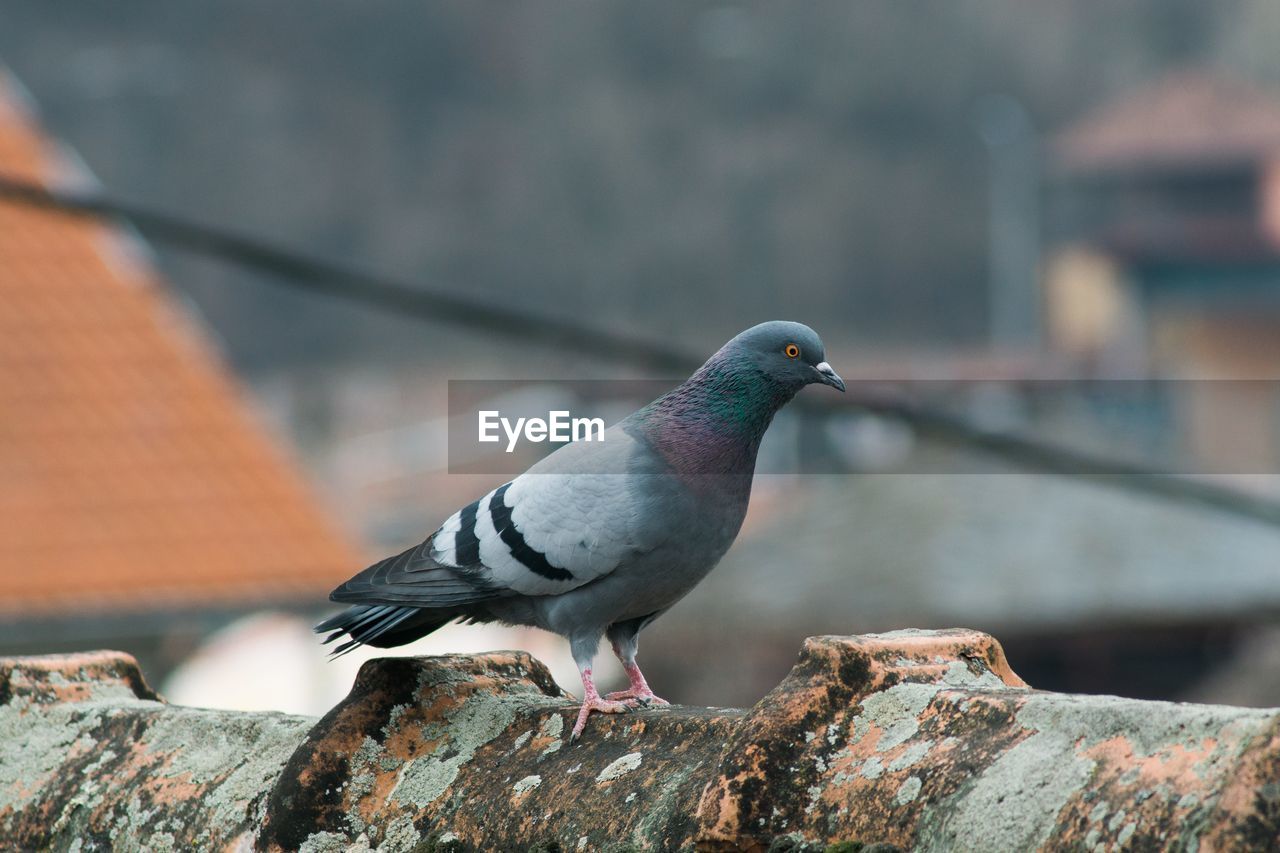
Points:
(638, 697)
(604, 706)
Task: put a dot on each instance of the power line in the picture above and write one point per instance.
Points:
(1024, 452)
(319, 276)
(402, 298)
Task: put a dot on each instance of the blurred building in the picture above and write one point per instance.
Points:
(1166, 260)
(142, 502)
(1166, 221)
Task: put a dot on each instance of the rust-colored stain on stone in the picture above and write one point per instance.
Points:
(910, 740)
(852, 744)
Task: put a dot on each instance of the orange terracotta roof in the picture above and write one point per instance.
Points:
(1188, 118)
(133, 475)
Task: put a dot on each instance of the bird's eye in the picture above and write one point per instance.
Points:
(791, 350)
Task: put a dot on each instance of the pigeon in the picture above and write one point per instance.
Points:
(599, 538)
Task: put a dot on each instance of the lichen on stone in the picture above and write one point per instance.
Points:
(908, 791)
(527, 784)
(619, 767)
(468, 728)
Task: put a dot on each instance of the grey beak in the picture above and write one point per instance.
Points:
(829, 376)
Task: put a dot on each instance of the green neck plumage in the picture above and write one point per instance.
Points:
(715, 419)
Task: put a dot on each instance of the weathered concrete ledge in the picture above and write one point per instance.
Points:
(923, 740)
(89, 754)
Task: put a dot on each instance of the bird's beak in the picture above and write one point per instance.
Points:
(829, 376)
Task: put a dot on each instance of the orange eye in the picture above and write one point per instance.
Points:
(791, 350)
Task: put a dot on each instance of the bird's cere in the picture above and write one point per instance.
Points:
(559, 426)
(829, 376)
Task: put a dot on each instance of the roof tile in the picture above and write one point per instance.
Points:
(132, 473)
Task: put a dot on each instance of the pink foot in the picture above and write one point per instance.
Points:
(632, 696)
(591, 701)
(597, 704)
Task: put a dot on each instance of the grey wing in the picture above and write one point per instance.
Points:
(574, 517)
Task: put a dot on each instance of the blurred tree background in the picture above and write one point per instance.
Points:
(684, 167)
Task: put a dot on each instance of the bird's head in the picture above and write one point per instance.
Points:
(789, 353)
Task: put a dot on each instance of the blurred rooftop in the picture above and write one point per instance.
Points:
(1192, 117)
(133, 475)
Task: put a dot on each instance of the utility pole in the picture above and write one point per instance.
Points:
(1013, 222)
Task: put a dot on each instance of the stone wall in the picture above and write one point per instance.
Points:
(913, 739)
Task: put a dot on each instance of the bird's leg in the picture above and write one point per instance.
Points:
(639, 691)
(583, 646)
(591, 701)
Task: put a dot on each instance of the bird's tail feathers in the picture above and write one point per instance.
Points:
(381, 626)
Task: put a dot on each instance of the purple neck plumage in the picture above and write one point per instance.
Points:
(713, 422)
